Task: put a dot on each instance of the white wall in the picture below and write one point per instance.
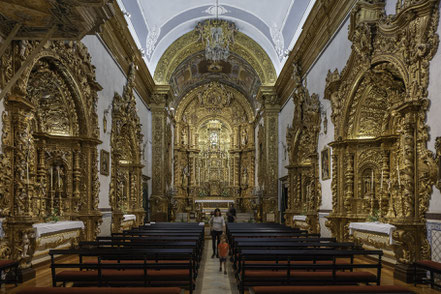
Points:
(390, 6)
(286, 116)
(316, 83)
(434, 118)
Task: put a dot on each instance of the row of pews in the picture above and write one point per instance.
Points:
(272, 258)
(161, 258)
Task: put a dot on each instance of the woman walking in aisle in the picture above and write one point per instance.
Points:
(217, 225)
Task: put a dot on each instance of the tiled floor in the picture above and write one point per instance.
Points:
(211, 280)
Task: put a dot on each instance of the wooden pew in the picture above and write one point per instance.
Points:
(148, 267)
(100, 290)
(138, 243)
(431, 266)
(292, 245)
(11, 266)
(297, 267)
(328, 289)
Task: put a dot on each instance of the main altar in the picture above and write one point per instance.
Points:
(213, 151)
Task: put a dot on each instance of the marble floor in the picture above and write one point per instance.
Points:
(210, 280)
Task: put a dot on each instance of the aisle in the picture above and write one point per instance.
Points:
(210, 279)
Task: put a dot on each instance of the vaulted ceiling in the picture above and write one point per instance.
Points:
(274, 25)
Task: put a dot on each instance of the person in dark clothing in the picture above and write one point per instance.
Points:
(231, 214)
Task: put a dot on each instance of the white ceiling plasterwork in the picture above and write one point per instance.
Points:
(274, 24)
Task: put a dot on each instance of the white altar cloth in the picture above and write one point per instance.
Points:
(46, 228)
(299, 218)
(127, 217)
(375, 227)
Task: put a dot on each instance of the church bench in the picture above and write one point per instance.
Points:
(296, 267)
(145, 267)
(235, 241)
(431, 266)
(154, 240)
(328, 289)
(12, 266)
(99, 290)
(137, 244)
(293, 245)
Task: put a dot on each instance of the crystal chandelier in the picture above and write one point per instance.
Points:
(217, 35)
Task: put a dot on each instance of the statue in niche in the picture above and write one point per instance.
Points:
(58, 181)
(244, 137)
(185, 175)
(244, 177)
(184, 138)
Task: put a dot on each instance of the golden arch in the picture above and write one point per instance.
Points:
(190, 96)
(188, 44)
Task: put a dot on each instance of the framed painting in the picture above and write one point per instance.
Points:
(104, 162)
(326, 163)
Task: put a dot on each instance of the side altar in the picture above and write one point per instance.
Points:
(52, 235)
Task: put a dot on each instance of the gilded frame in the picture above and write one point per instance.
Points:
(104, 162)
(325, 162)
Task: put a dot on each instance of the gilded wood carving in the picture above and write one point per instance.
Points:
(304, 191)
(213, 146)
(50, 134)
(381, 166)
(126, 171)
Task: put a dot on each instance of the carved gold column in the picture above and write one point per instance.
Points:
(271, 109)
(21, 148)
(158, 200)
(88, 203)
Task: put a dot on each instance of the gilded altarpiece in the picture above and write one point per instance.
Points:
(304, 190)
(126, 167)
(49, 142)
(381, 167)
(214, 147)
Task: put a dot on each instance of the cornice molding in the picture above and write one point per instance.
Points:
(116, 35)
(324, 20)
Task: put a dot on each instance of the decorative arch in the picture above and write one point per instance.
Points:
(381, 167)
(49, 143)
(195, 71)
(188, 45)
(224, 168)
(126, 168)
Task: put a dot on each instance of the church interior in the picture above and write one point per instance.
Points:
(312, 124)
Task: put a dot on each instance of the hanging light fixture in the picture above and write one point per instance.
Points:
(217, 35)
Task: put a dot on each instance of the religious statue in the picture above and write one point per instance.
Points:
(185, 175)
(26, 244)
(244, 177)
(244, 137)
(184, 139)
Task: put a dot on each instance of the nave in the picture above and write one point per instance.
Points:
(318, 116)
(255, 248)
